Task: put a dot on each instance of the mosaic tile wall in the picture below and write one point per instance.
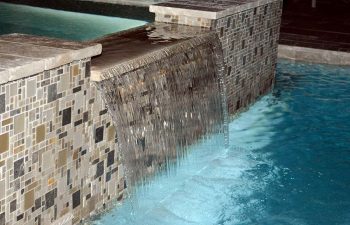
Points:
(249, 39)
(51, 170)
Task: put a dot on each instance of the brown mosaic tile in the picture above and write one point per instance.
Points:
(4, 142)
(75, 70)
(62, 158)
(32, 185)
(28, 200)
(7, 121)
(18, 149)
(50, 181)
(111, 133)
(40, 133)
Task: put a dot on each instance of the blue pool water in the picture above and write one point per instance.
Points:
(288, 162)
(59, 24)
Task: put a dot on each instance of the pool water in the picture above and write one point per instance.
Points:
(288, 162)
(59, 24)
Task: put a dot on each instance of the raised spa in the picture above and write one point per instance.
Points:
(59, 24)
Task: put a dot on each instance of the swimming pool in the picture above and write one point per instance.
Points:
(59, 24)
(288, 162)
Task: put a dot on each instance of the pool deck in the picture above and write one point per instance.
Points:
(25, 55)
(325, 27)
(320, 35)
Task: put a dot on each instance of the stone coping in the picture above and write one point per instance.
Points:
(134, 48)
(24, 55)
(209, 9)
(313, 55)
(143, 3)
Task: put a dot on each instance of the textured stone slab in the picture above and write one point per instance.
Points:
(15, 65)
(210, 9)
(4, 75)
(313, 55)
(43, 41)
(26, 55)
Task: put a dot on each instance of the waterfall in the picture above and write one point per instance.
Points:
(165, 101)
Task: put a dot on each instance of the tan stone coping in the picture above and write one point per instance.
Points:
(131, 49)
(313, 55)
(143, 3)
(205, 8)
(24, 55)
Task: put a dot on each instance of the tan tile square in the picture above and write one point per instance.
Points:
(28, 199)
(7, 122)
(111, 133)
(62, 158)
(40, 133)
(74, 70)
(19, 124)
(4, 142)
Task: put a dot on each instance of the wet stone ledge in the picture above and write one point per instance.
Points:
(208, 9)
(131, 49)
(25, 55)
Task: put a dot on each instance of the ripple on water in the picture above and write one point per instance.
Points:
(288, 162)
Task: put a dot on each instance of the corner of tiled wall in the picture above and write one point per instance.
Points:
(50, 168)
(249, 40)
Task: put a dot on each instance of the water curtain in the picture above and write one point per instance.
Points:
(175, 98)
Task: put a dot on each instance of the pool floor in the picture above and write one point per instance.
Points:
(288, 162)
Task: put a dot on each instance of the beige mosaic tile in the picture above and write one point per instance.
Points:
(19, 123)
(75, 70)
(44, 158)
(40, 133)
(4, 142)
(62, 158)
(7, 121)
(28, 199)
